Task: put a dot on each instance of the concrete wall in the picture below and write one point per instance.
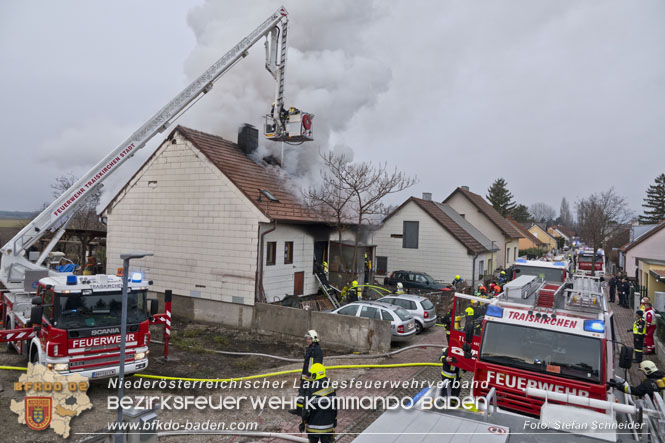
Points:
(202, 230)
(338, 331)
(439, 253)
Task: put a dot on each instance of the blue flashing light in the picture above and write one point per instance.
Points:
(520, 260)
(559, 263)
(494, 311)
(71, 280)
(594, 325)
(137, 277)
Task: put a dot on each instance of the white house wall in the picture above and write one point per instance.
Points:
(278, 279)
(202, 230)
(439, 253)
(652, 248)
(477, 218)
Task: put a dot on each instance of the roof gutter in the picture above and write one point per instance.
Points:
(260, 295)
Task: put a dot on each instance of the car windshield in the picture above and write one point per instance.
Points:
(402, 314)
(427, 304)
(547, 274)
(543, 351)
(99, 309)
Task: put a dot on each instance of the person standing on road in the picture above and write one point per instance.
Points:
(623, 288)
(319, 414)
(639, 331)
(613, 288)
(650, 320)
(450, 375)
(352, 293)
(447, 320)
(313, 355)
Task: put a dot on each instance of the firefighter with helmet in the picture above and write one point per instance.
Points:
(457, 282)
(313, 355)
(450, 375)
(639, 331)
(319, 414)
(353, 293)
(503, 278)
(400, 288)
(653, 383)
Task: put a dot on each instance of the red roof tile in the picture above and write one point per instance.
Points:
(250, 177)
(525, 232)
(491, 213)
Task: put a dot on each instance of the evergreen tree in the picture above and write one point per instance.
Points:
(521, 213)
(654, 203)
(499, 196)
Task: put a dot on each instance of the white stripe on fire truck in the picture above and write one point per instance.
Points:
(168, 322)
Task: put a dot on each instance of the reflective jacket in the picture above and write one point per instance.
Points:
(639, 327)
(319, 411)
(313, 354)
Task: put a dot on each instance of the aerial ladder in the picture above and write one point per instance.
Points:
(284, 125)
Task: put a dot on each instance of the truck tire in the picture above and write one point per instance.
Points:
(33, 355)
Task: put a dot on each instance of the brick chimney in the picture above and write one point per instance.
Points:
(466, 188)
(248, 138)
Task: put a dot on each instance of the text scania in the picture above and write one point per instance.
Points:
(521, 383)
(559, 321)
(102, 172)
(99, 341)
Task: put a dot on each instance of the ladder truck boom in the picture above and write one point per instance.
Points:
(14, 263)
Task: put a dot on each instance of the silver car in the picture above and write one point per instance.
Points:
(402, 324)
(421, 308)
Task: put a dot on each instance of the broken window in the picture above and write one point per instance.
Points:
(288, 252)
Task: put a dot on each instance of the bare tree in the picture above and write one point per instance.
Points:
(542, 212)
(601, 216)
(84, 219)
(565, 215)
(353, 192)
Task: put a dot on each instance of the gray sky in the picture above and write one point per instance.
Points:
(561, 98)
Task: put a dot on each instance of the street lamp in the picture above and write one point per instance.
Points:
(123, 331)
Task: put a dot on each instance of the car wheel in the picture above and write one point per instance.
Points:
(419, 328)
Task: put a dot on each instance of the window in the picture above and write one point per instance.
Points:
(385, 315)
(481, 268)
(489, 266)
(349, 310)
(370, 312)
(270, 253)
(427, 305)
(381, 265)
(421, 279)
(515, 253)
(288, 252)
(410, 239)
(388, 300)
(48, 300)
(507, 256)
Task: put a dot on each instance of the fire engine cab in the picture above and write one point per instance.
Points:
(588, 261)
(77, 320)
(535, 334)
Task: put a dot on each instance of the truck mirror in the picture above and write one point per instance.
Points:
(626, 357)
(154, 307)
(36, 313)
(36, 300)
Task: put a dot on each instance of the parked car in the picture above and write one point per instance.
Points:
(421, 308)
(402, 324)
(413, 280)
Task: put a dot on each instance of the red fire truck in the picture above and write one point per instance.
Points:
(551, 336)
(585, 262)
(78, 320)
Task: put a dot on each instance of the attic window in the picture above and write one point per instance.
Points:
(269, 195)
(152, 183)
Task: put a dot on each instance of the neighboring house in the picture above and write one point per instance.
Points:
(541, 234)
(488, 221)
(648, 246)
(221, 225)
(426, 236)
(635, 232)
(528, 241)
(560, 232)
(651, 276)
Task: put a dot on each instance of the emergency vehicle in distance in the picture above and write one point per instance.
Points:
(585, 262)
(539, 335)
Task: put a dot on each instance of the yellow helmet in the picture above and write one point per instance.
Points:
(317, 371)
(354, 284)
(503, 272)
(474, 303)
(457, 277)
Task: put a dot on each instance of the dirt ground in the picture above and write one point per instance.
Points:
(188, 346)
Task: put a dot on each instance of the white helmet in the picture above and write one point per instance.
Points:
(648, 367)
(400, 285)
(313, 335)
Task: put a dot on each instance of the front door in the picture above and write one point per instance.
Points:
(298, 282)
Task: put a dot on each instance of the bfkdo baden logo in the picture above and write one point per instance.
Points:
(51, 400)
(38, 412)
